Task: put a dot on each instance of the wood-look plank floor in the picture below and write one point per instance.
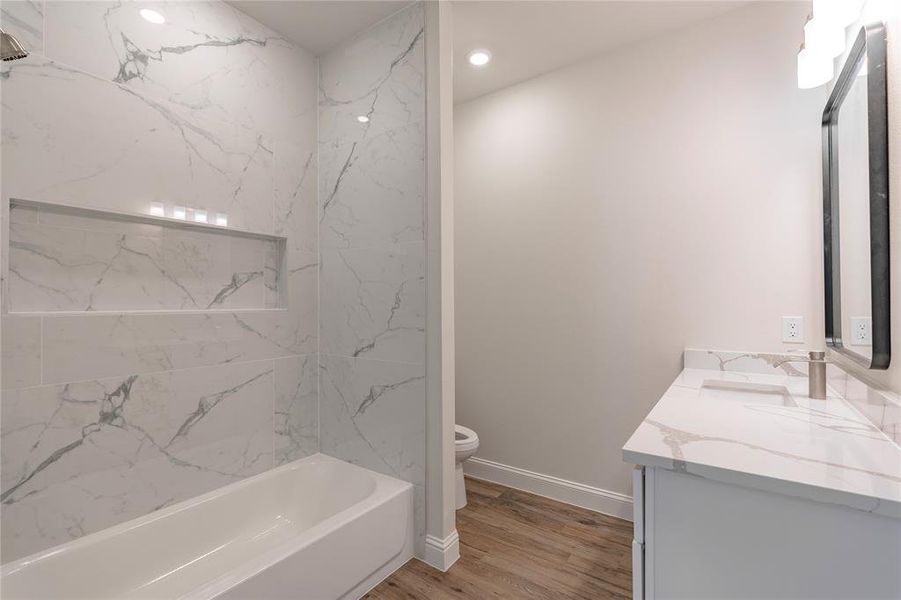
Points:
(518, 545)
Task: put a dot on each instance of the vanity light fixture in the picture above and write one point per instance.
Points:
(814, 69)
(179, 212)
(152, 16)
(363, 119)
(838, 12)
(479, 57)
(222, 219)
(200, 216)
(157, 209)
(824, 37)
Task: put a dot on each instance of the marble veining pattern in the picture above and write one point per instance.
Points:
(79, 263)
(208, 58)
(215, 423)
(372, 262)
(373, 191)
(20, 358)
(821, 449)
(205, 168)
(745, 362)
(881, 407)
(98, 346)
(380, 75)
(208, 98)
(113, 415)
(372, 175)
(372, 413)
(373, 303)
(296, 408)
(108, 416)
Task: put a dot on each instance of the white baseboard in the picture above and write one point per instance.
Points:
(570, 492)
(442, 553)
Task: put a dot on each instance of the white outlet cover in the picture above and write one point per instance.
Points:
(793, 330)
(861, 331)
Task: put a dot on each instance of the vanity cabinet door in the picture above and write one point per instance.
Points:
(706, 539)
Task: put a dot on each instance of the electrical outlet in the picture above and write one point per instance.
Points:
(793, 330)
(861, 331)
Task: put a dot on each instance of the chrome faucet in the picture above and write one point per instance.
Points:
(816, 373)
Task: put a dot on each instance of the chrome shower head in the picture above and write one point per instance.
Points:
(10, 48)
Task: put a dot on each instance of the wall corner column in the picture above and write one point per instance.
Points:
(442, 543)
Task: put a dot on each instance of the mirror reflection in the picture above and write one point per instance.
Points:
(854, 217)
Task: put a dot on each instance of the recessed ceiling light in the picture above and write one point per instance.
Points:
(152, 16)
(479, 58)
(363, 119)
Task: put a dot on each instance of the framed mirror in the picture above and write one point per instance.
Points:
(855, 205)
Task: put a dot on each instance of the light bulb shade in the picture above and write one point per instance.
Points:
(825, 38)
(814, 69)
(838, 12)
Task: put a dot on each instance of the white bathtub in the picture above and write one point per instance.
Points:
(314, 529)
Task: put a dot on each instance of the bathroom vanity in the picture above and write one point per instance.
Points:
(747, 488)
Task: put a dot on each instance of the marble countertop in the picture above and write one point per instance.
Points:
(823, 450)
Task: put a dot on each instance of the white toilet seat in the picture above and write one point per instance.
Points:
(465, 439)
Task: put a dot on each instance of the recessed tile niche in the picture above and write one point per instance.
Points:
(74, 260)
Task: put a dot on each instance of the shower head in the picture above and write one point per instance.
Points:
(10, 48)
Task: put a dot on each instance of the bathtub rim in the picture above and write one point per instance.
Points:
(386, 488)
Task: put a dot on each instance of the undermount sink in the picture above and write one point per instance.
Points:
(742, 391)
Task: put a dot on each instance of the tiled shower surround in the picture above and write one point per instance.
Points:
(178, 370)
(372, 252)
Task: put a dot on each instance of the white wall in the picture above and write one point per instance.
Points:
(614, 212)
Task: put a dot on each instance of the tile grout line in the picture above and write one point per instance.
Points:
(374, 360)
(41, 349)
(272, 412)
(316, 149)
(388, 246)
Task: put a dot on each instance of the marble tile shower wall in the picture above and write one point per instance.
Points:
(60, 261)
(372, 251)
(110, 415)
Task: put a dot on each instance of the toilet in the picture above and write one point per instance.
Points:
(466, 442)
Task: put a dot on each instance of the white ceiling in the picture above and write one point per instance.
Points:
(318, 25)
(527, 39)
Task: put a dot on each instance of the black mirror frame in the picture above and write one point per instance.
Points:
(870, 43)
